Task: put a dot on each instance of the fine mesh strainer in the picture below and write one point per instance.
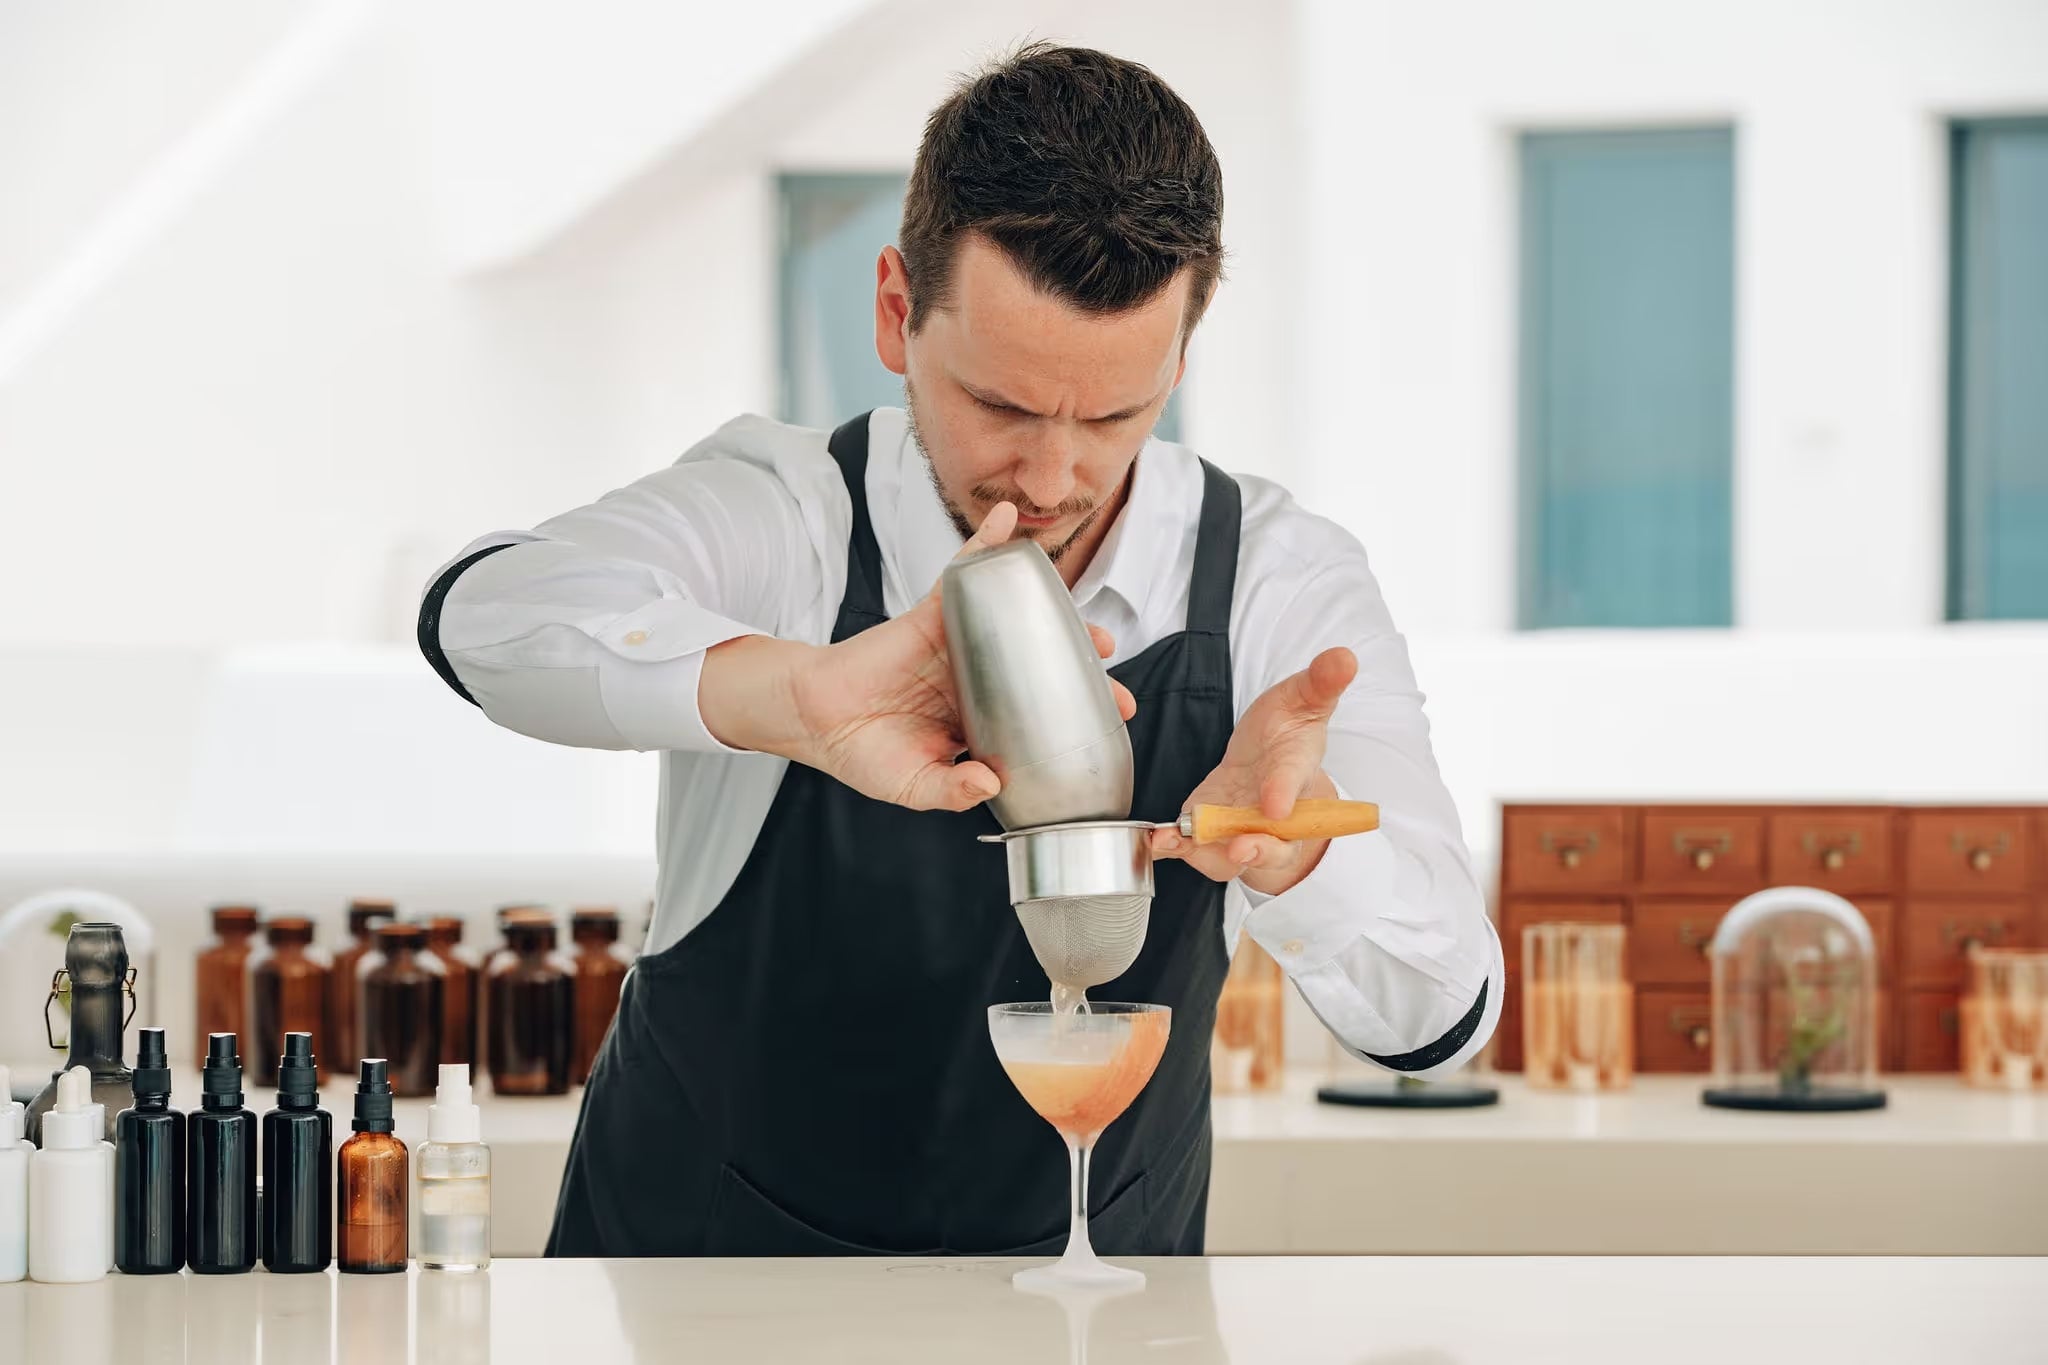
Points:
(1083, 891)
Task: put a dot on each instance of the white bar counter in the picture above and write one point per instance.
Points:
(1296, 1310)
(1943, 1170)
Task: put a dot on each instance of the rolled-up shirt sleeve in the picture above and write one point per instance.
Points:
(1388, 939)
(591, 628)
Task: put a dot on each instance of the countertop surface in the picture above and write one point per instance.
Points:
(1298, 1310)
(1942, 1170)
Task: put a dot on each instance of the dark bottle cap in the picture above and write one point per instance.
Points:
(152, 1067)
(220, 1081)
(594, 924)
(298, 1080)
(444, 929)
(234, 919)
(530, 935)
(364, 913)
(394, 935)
(289, 929)
(373, 1097)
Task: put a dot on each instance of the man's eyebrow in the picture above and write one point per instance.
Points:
(996, 400)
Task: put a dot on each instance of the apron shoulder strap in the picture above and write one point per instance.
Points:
(861, 607)
(1215, 573)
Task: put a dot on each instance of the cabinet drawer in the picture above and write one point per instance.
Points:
(1668, 941)
(1703, 850)
(1842, 851)
(1938, 934)
(1929, 1025)
(1566, 848)
(1967, 850)
(1672, 1030)
(1517, 915)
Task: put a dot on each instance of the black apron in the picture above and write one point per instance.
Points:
(809, 1072)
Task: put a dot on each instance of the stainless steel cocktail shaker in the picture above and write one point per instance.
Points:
(1035, 703)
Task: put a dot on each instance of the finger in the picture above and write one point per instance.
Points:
(1105, 643)
(995, 528)
(1126, 704)
(1256, 850)
(1282, 784)
(951, 786)
(1315, 691)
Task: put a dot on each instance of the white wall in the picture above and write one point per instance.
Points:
(285, 401)
(1407, 399)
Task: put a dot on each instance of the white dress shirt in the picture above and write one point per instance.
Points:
(592, 631)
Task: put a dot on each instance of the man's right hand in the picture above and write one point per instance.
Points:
(876, 711)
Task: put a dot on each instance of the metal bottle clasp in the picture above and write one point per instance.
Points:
(60, 986)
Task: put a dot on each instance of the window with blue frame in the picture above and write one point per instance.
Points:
(1998, 370)
(1626, 378)
(832, 228)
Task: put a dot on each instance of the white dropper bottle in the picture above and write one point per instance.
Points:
(14, 1150)
(455, 1179)
(70, 1188)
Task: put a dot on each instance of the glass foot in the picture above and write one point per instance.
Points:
(1077, 1273)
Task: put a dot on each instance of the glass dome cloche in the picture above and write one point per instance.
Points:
(1795, 1004)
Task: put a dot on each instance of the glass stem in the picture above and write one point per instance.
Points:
(1078, 1248)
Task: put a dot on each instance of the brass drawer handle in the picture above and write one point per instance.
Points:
(1702, 847)
(1980, 856)
(1571, 849)
(1961, 936)
(1694, 1033)
(1690, 936)
(1834, 854)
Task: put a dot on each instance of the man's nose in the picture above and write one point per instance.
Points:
(1045, 473)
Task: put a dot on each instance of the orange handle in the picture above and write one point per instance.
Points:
(1311, 819)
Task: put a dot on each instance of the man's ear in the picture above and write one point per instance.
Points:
(892, 310)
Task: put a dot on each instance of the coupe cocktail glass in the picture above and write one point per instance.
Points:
(1079, 1071)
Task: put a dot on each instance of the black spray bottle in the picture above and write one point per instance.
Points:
(220, 1178)
(149, 1170)
(298, 1167)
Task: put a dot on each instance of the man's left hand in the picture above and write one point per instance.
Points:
(1275, 757)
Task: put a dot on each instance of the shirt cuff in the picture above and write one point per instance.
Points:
(652, 701)
(1307, 925)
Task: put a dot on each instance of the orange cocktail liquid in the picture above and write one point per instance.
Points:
(1083, 1098)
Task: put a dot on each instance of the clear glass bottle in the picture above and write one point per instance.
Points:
(455, 1180)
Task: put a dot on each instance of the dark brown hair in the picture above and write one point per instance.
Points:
(1086, 170)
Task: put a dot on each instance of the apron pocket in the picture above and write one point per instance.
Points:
(746, 1222)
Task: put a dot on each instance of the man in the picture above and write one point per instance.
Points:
(800, 1062)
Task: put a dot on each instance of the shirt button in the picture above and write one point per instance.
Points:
(636, 637)
(1292, 947)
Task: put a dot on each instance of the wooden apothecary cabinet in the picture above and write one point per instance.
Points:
(1931, 880)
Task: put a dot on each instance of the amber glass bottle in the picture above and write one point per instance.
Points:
(460, 984)
(370, 1182)
(343, 1046)
(532, 1006)
(222, 983)
(600, 971)
(287, 993)
(401, 988)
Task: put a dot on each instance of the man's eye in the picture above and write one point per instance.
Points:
(987, 406)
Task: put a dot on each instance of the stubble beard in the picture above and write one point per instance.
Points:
(953, 512)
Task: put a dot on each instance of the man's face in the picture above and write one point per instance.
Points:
(1018, 396)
